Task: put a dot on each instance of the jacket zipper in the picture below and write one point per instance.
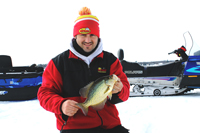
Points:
(89, 70)
(100, 118)
(90, 73)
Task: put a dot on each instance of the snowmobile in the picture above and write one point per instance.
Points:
(18, 83)
(177, 77)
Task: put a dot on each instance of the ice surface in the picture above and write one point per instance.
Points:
(162, 114)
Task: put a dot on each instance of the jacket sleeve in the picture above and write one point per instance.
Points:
(116, 68)
(50, 90)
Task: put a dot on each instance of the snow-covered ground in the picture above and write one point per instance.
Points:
(162, 114)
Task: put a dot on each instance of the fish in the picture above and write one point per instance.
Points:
(97, 93)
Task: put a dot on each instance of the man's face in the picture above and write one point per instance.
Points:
(87, 41)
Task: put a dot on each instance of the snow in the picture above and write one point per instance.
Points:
(164, 114)
(160, 114)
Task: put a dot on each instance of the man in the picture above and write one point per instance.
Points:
(71, 70)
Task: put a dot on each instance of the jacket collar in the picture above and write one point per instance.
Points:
(72, 55)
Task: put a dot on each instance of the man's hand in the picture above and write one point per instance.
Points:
(117, 87)
(69, 107)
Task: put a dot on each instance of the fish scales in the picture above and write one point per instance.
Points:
(96, 93)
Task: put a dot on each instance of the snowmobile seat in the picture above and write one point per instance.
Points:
(135, 70)
(170, 69)
(6, 66)
(132, 69)
(5, 61)
(21, 69)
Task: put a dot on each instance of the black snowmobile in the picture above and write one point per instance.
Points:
(18, 83)
(171, 78)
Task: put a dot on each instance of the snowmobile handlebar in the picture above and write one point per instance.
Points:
(180, 53)
(173, 52)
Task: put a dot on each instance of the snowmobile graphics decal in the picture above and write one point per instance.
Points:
(192, 66)
(161, 78)
(3, 92)
(133, 72)
(194, 69)
(20, 82)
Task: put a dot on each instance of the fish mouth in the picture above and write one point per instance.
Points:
(114, 77)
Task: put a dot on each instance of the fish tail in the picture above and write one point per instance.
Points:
(83, 108)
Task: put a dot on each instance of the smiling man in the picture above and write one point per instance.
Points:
(87, 42)
(73, 69)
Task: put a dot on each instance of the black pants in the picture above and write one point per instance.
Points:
(117, 129)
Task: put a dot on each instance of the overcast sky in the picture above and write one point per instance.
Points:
(34, 31)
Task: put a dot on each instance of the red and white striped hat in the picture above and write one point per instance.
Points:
(86, 23)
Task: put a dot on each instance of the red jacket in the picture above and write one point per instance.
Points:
(66, 74)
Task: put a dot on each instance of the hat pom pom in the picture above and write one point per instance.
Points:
(85, 11)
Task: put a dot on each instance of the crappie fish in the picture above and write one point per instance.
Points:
(97, 93)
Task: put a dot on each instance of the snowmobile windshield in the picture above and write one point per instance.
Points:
(193, 49)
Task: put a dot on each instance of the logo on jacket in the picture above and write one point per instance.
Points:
(84, 30)
(102, 70)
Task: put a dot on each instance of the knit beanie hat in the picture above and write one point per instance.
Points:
(86, 23)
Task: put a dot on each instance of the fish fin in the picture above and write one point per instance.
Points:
(99, 106)
(110, 95)
(85, 90)
(83, 108)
